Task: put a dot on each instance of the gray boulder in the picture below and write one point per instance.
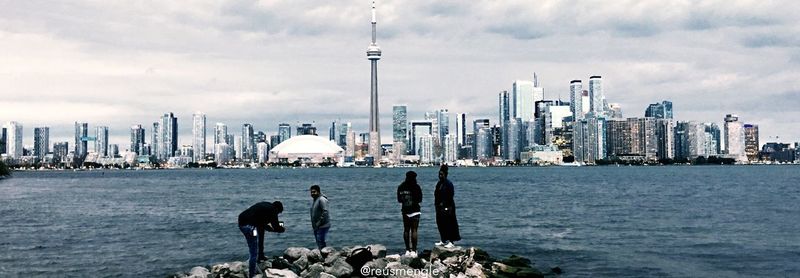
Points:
(279, 273)
(441, 253)
(315, 256)
(301, 263)
(326, 275)
(340, 268)
(199, 272)
(313, 271)
(332, 258)
(294, 253)
(378, 251)
(327, 251)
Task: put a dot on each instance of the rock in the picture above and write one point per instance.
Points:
(475, 271)
(479, 255)
(313, 271)
(340, 268)
(395, 266)
(238, 267)
(279, 273)
(301, 263)
(280, 263)
(416, 263)
(557, 270)
(332, 258)
(501, 268)
(426, 254)
(440, 252)
(294, 253)
(393, 258)
(375, 264)
(378, 251)
(327, 251)
(199, 272)
(517, 261)
(326, 275)
(315, 256)
(453, 261)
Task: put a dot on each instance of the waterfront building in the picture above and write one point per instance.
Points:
(306, 129)
(483, 144)
(113, 150)
(155, 141)
(274, 140)
(306, 149)
(81, 140)
(522, 100)
(615, 111)
(451, 149)
(373, 55)
(101, 141)
(576, 99)
(3, 138)
(419, 129)
(514, 140)
(426, 153)
(221, 134)
(168, 134)
(60, 150)
(41, 142)
(461, 128)
(14, 147)
(137, 139)
(284, 131)
(263, 152)
(661, 110)
(596, 97)
(734, 138)
(222, 153)
(751, 145)
(248, 143)
(199, 136)
(400, 127)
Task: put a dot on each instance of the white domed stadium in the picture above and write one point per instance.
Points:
(308, 149)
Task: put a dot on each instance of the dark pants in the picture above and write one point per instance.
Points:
(448, 225)
(319, 236)
(252, 246)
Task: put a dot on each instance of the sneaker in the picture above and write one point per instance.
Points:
(449, 245)
(407, 253)
(439, 243)
(412, 254)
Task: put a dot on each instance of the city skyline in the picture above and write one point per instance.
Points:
(125, 64)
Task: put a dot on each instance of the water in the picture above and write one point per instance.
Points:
(591, 221)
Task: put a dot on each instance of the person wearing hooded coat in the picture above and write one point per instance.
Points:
(445, 205)
(409, 195)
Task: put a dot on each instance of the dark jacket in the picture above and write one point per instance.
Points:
(446, 220)
(409, 194)
(320, 217)
(443, 195)
(259, 215)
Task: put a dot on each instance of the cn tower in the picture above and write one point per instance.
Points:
(374, 54)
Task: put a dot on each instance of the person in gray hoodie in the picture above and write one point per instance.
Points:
(320, 218)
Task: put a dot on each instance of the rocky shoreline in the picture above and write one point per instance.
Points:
(331, 262)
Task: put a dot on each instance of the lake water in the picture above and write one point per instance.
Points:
(672, 221)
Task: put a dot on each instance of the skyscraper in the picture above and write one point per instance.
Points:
(504, 113)
(168, 129)
(101, 141)
(81, 140)
(248, 143)
(734, 138)
(284, 131)
(41, 141)
(374, 54)
(661, 110)
(575, 99)
(522, 100)
(155, 142)
(137, 139)
(306, 129)
(751, 145)
(198, 136)
(400, 129)
(14, 140)
(461, 128)
(596, 97)
(3, 140)
(221, 134)
(418, 129)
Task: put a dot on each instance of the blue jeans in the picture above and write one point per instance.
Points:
(252, 246)
(319, 236)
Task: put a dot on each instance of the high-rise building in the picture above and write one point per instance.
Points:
(263, 152)
(596, 97)
(426, 155)
(81, 140)
(400, 123)
(306, 129)
(137, 139)
(113, 150)
(555, 118)
(60, 150)
(538, 92)
(238, 148)
(374, 54)
(461, 128)
(483, 144)
(333, 132)
(715, 138)
(734, 138)
(477, 124)
(443, 119)
(615, 111)
(576, 99)
(665, 134)
(222, 153)
(522, 100)
(221, 134)
(248, 143)
(450, 149)
(513, 139)
(101, 141)
(661, 110)
(155, 142)
(751, 145)
(504, 113)
(274, 140)
(589, 139)
(198, 136)
(41, 141)
(284, 131)
(168, 134)
(418, 129)
(343, 131)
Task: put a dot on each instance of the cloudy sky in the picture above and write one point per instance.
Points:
(119, 63)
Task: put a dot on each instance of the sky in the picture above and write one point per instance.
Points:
(120, 63)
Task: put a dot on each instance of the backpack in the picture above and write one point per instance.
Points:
(408, 200)
(359, 257)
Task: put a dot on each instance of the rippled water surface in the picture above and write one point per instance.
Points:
(590, 221)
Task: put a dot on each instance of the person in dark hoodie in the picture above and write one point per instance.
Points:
(409, 195)
(320, 217)
(446, 210)
(253, 222)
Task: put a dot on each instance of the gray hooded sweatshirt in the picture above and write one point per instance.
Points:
(319, 213)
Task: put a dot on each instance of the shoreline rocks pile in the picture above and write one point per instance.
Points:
(330, 262)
